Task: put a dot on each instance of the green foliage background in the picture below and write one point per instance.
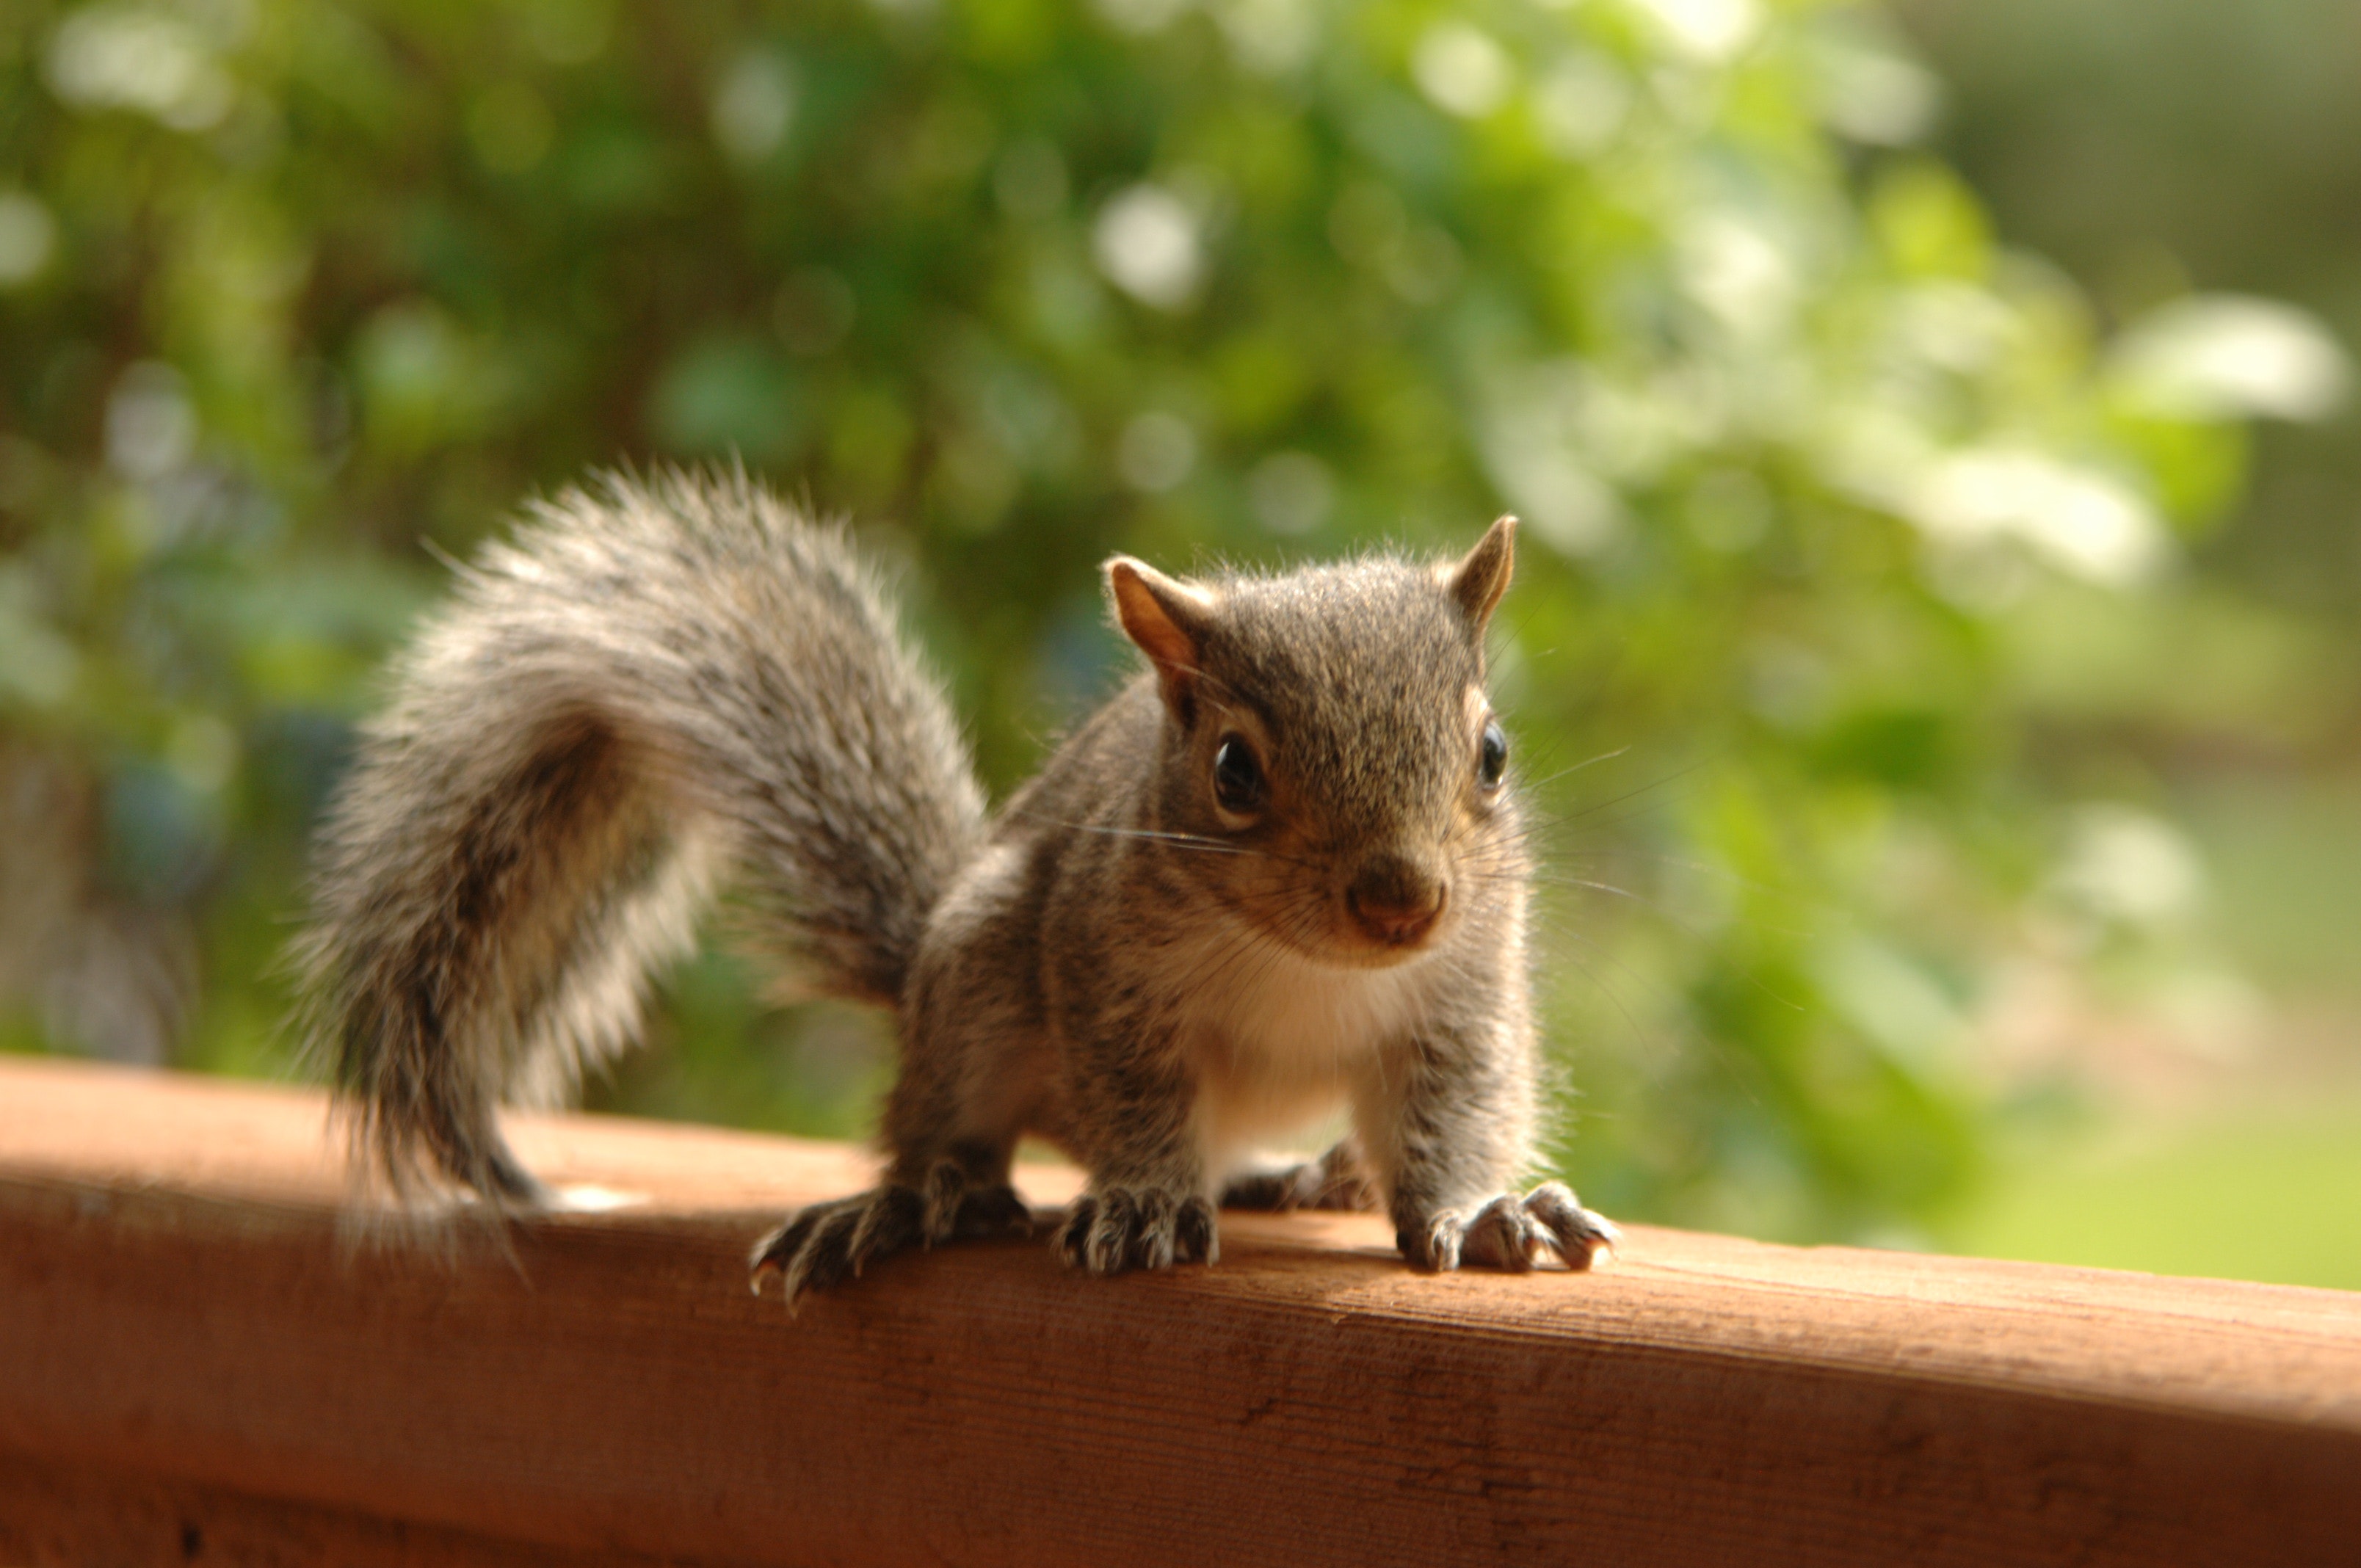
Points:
(1834, 504)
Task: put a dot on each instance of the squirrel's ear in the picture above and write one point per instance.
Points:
(1166, 618)
(1477, 582)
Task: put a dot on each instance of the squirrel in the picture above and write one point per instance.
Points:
(1281, 870)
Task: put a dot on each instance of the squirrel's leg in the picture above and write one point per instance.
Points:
(953, 1121)
(1338, 1179)
(971, 1069)
(1446, 1131)
(1133, 1125)
(947, 1179)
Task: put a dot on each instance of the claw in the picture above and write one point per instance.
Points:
(1122, 1228)
(1503, 1236)
(1074, 1235)
(891, 1221)
(828, 1243)
(1118, 1224)
(1432, 1246)
(1196, 1237)
(1151, 1241)
(1575, 1233)
(1508, 1233)
(775, 1254)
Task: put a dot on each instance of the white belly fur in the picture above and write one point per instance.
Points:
(1280, 1040)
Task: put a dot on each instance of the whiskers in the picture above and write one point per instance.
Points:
(1618, 853)
(1192, 843)
(1197, 842)
(1548, 779)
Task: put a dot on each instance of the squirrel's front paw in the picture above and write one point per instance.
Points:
(1136, 1227)
(1509, 1232)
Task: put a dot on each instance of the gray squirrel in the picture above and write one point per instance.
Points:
(1279, 871)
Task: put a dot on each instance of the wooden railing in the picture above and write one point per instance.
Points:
(203, 1359)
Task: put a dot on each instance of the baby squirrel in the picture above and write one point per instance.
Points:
(1283, 869)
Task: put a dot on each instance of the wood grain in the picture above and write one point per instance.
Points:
(187, 1311)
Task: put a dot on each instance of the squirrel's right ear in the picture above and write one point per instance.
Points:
(1166, 618)
(1479, 579)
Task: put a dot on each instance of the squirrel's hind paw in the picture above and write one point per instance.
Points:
(1332, 1182)
(828, 1243)
(1511, 1233)
(1122, 1228)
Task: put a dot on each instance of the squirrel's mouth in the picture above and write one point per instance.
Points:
(1357, 952)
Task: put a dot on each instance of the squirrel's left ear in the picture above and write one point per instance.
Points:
(1166, 618)
(1481, 576)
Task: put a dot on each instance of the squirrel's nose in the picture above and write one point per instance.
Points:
(1395, 901)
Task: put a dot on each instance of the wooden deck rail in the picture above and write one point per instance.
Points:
(198, 1365)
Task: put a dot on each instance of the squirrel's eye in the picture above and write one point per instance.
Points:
(1492, 756)
(1237, 778)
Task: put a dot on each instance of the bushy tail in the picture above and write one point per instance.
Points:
(654, 687)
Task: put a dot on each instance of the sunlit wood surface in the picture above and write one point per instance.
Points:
(204, 1357)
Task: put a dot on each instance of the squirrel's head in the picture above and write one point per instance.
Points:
(1332, 768)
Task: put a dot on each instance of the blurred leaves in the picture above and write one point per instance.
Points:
(289, 291)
